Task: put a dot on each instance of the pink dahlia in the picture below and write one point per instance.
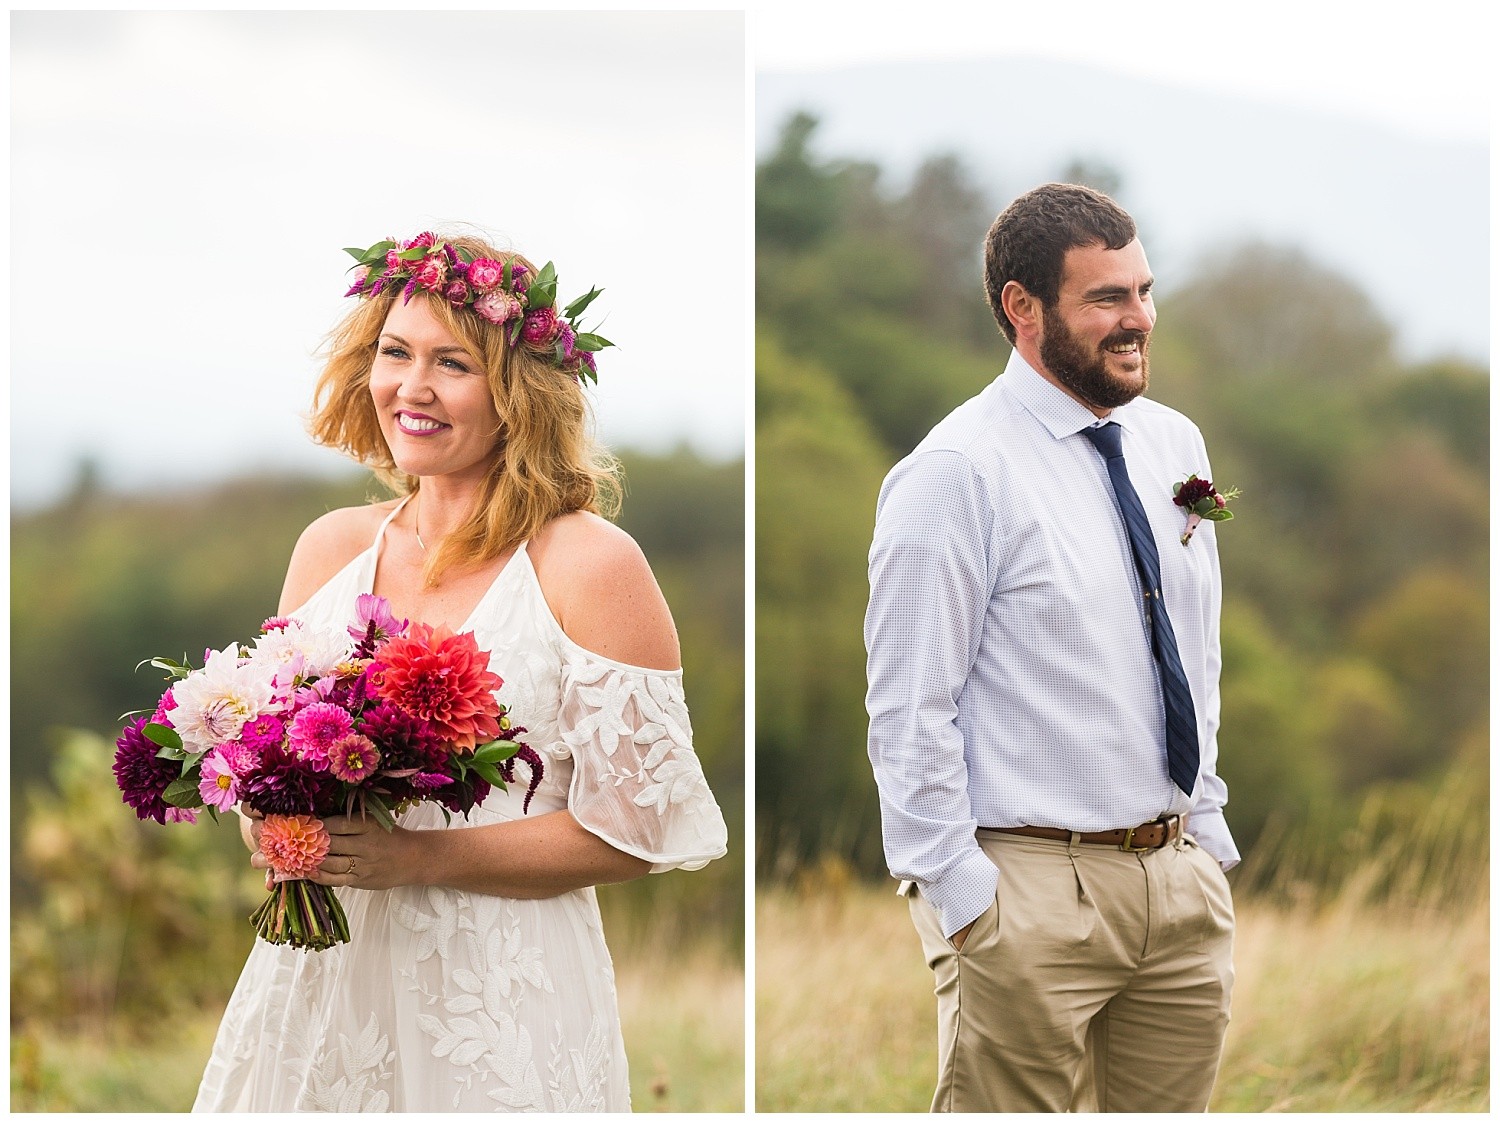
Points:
(352, 758)
(540, 327)
(294, 845)
(315, 730)
(445, 679)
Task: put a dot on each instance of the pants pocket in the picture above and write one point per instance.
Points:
(986, 924)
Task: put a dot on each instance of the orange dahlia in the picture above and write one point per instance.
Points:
(294, 845)
(444, 679)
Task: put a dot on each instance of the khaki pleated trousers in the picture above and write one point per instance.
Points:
(1098, 979)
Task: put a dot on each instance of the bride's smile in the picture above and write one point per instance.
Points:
(432, 396)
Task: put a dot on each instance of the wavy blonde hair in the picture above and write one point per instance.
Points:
(547, 462)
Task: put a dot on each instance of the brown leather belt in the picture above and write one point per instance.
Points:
(1148, 836)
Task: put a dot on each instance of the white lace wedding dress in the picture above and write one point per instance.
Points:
(453, 1001)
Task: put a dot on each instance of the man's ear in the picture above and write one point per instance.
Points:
(1022, 309)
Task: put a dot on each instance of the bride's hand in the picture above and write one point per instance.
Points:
(365, 855)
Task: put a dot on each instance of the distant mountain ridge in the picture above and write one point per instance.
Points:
(1404, 217)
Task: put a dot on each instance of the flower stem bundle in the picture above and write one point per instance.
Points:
(301, 913)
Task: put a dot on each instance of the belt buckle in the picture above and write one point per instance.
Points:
(1127, 843)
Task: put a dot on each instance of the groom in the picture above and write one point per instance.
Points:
(1044, 698)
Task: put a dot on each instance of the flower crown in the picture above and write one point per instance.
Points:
(501, 292)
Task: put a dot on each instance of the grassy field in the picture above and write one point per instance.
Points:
(1341, 1007)
(683, 1020)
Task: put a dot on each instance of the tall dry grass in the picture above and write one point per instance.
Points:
(683, 1017)
(1374, 997)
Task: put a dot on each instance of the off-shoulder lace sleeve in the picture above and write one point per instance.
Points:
(637, 783)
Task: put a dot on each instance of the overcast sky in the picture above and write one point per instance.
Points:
(1362, 141)
(1428, 67)
(183, 184)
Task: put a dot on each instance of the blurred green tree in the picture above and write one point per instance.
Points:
(1360, 550)
(819, 468)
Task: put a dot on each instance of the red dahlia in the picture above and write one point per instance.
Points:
(445, 679)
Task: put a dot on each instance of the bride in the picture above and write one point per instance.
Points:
(477, 977)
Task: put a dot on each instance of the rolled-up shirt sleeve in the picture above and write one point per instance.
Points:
(931, 573)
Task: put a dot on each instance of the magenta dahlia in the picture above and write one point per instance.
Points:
(405, 741)
(281, 784)
(264, 732)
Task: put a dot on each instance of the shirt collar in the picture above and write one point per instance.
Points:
(1061, 413)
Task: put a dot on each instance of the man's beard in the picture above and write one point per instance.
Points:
(1085, 372)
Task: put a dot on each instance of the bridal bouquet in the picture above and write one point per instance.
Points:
(304, 724)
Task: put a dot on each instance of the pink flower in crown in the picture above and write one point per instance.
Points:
(423, 239)
(457, 293)
(520, 277)
(393, 261)
(317, 729)
(498, 307)
(431, 272)
(565, 334)
(588, 361)
(540, 327)
(485, 273)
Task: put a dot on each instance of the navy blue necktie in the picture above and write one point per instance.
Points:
(1182, 725)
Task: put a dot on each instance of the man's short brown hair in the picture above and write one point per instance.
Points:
(1027, 242)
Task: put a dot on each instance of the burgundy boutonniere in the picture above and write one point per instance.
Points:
(1202, 501)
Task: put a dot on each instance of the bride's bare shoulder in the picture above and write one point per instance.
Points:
(330, 542)
(602, 591)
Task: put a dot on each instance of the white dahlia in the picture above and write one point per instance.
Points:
(214, 703)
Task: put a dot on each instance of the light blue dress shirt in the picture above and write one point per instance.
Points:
(1011, 680)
